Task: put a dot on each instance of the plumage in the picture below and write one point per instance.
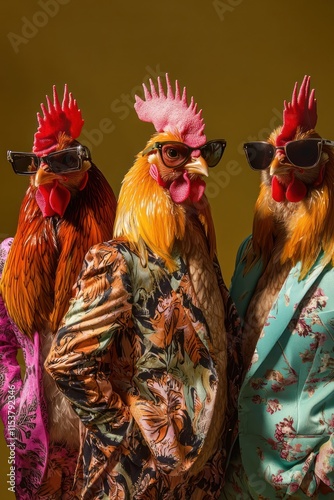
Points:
(301, 229)
(150, 217)
(148, 324)
(287, 232)
(62, 215)
(47, 253)
(283, 289)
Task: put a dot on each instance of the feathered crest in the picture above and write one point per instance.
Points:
(171, 112)
(57, 119)
(300, 112)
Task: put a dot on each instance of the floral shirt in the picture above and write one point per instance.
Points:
(133, 356)
(286, 403)
(41, 470)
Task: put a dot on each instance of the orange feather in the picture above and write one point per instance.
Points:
(303, 229)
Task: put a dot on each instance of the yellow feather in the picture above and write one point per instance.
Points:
(147, 215)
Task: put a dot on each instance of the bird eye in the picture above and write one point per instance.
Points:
(64, 161)
(70, 160)
(174, 155)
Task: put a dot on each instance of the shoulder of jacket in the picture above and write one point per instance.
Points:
(108, 253)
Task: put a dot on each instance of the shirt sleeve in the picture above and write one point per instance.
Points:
(10, 374)
(79, 359)
(10, 371)
(320, 476)
(324, 467)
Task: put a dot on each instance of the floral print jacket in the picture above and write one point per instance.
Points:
(133, 357)
(286, 403)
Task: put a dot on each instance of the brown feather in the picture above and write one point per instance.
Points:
(47, 254)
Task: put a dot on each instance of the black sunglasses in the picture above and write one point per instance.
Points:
(176, 154)
(304, 153)
(64, 161)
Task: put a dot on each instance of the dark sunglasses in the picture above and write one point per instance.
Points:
(176, 154)
(304, 153)
(59, 162)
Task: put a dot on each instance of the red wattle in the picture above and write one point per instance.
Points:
(154, 172)
(197, 189)
(52, 199)
(277, 190)
(59, 198)
(180, 188)
(296, 190)
(42, 199)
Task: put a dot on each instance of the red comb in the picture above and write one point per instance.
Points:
(57, 119)
(300, 112)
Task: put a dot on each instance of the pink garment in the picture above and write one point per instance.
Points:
(22, 405)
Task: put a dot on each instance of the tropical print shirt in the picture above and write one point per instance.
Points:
(286, 402)
(133, 357)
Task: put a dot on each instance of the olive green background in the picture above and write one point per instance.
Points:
(238, 58)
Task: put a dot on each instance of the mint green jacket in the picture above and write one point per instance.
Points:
(286, 402)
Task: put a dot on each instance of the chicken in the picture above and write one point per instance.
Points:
(68, 207)
(283, 290)
(293, 221)
(142, 352)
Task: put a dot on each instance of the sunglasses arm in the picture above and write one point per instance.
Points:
(327, 142)
(149, 150)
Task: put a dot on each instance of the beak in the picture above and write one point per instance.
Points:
(43, 177)
(198, 166)
(278, 168)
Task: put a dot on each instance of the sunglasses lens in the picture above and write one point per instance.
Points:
(304, 153)
(174, 154)
(64, 161)
(24, 164)
(259, 154)
(212, 152)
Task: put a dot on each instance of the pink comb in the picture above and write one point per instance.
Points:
(57, 119)
(171, 112)
(300, 112)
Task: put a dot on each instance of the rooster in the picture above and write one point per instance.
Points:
(283, 289)
(142, 352)
(68, 207)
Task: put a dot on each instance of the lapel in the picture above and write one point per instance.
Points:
(283, 309)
